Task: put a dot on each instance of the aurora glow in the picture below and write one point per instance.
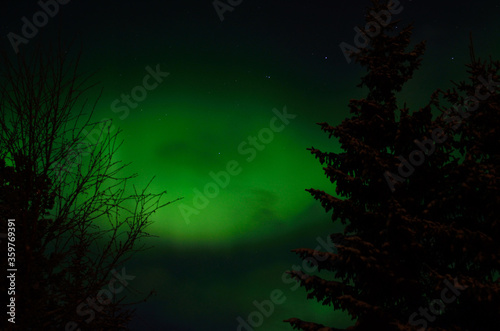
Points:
(225, 78)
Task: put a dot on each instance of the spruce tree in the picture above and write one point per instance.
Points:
(418, 195)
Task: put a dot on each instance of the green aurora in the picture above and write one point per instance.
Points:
(225, 79)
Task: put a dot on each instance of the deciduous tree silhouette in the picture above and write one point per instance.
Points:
(75, 223)
(418, 194)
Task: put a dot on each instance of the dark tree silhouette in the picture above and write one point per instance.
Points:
(420, 195)
(75, 224)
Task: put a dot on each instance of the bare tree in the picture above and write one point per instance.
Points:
(75, 223)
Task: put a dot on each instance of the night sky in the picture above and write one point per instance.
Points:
(227, 81)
